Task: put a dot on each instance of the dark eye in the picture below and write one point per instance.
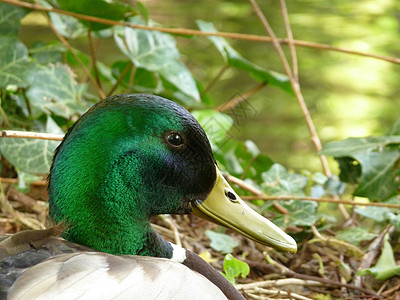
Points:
(175, 139)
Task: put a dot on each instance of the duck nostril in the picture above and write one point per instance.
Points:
(231, 196)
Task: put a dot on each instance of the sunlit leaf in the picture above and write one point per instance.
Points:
(10, 18)
(234, 268)
(221, 242)
(234, 59)
(53, 90)
(14, 62)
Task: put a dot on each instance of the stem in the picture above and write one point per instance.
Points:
(93, 56)
(240, 98)
(289, 33)
(182, 31)
(131, 79)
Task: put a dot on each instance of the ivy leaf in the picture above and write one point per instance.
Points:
(30, 155)
(301, 213)
(53, 90)
(234, 59)
(14, 62)
(386, 266)
(354, 146)
(234, 268)
(378, 179)
(110, 10)
(221, 242)
(361, 162)
(47, 53)
(156, 52)
(278, 181)
(378, 214)
(10, 18)
(355, 235)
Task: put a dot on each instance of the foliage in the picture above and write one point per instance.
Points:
(45, 88)
(221, 242)
(234, 268)
(386, 266)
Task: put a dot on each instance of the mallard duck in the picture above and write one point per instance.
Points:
(126, 159)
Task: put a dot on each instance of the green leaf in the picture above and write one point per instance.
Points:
(386, 266)
(234, 268)
(53, 90)
(216, 125)
(156, 52)
(278, 181)
(378, 179)
(378, 214)
(355, 235)
(30, 155)
(14, 62)
(110, 10)
(10, 18)
(234, 59)
(46, 53)
(353, 146)
(221, 242)
(301, 213)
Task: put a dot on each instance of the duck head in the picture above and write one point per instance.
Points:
(134, 156)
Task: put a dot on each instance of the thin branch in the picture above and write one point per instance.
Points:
(296, 88)
(347, 202)
(30, 135)
(131, 78)
(70, 49)
(93, 56)
(182, 31)
(299, 97)
(286, 271)
(120, 78)
(15, 181)
(240, 98)
(289, 33)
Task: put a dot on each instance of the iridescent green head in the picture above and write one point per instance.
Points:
(133, 156)
(127, 158)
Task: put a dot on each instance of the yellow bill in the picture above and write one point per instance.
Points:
(224, 207)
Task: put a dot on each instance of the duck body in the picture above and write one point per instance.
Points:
(128, 158)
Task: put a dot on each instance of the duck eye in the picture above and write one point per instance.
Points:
(175, 139)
